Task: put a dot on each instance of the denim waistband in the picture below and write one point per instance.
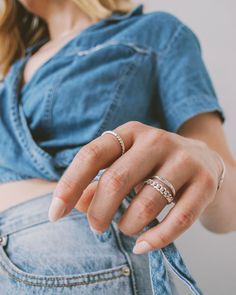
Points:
(21, 216)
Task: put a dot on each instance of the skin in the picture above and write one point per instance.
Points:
(188, 159)
(152, 151)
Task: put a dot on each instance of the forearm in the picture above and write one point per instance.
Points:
(220, 215)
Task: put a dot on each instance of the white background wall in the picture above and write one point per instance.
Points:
(210, 257)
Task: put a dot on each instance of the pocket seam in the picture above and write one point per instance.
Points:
(33, 280)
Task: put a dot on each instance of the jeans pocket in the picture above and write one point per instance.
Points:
(61, 254)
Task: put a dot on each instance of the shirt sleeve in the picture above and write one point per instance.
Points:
(185, 87)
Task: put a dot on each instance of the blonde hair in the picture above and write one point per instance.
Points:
(20, 29)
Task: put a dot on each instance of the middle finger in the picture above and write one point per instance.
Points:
(117, 181)
(149, 203)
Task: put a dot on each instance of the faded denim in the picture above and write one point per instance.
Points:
(66, 257)
(143, 67)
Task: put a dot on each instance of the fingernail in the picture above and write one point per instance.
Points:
(57, 209)
(142, 247)
(94, 230)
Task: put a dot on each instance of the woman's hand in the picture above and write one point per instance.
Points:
(189, 164)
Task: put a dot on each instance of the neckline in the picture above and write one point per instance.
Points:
(37, 45)
(29, 52)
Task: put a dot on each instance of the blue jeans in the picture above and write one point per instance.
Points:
(65, 257)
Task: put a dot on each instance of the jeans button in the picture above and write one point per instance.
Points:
(3, 241)
(125, 270)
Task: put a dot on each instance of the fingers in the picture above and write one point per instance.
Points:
(178, 220)
(116, 183)
(149, 203)
(96, 155)
(83, 204)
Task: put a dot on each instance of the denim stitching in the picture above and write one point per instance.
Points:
(9, 269)
(132, 45)
(11, 275)
(173, 39)
(122, 249)
(22, 136)
(47, 117)
(113, 104)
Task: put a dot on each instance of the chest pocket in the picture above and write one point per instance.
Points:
(82, 93)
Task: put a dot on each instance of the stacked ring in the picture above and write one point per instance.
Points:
(167, 183)
(168, 193)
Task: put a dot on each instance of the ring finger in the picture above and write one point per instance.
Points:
(149, 203)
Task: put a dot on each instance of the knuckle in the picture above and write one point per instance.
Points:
(185, 156)
(66, 185)
(89, 153)
(134, 124)
(145, 208)
(159, 136)
(163, 238)
(113, 180)
(185, 219)
(153, 137)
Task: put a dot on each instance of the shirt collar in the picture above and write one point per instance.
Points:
(138, 10)
(117, 16)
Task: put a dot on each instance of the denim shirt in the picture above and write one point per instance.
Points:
(137, 66)
(146, 67)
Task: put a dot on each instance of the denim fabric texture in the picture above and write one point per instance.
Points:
(137, 66)
(146, 67)
(66, 257)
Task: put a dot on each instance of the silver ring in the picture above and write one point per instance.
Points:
(161, 189)
(117, 136)
(223, 172)
(166, 182)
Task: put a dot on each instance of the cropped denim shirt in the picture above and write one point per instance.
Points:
(137, 66)
(146, 67)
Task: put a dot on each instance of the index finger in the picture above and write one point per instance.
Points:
(92, 157)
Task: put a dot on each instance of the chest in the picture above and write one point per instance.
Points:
(45, 53)
(84, 90)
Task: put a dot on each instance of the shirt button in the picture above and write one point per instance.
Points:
(125, 270)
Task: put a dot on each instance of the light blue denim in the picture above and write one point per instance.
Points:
(136, 66)
(66, 257)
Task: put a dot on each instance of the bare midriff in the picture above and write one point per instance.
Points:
(13, 193)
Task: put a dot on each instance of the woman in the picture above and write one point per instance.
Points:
(73, 70)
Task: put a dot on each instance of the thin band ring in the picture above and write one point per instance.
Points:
(161, 189)
(222, 175)
(117, 136)
(166, 182)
